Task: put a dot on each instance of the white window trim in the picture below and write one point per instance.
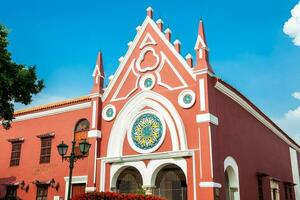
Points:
(75, 180)
(230, 162)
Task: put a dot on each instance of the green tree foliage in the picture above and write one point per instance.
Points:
(17, 82)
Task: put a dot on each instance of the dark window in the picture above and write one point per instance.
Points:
(41, 192)
(15, 153)
(78, 189)
(260, 188)
(129, 181)
(288, 190)
(82, 125)
(171, 183)
(11, 192)
(45, 150)
(291, 192)
(80, 133)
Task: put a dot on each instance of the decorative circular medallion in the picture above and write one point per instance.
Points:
(147, 82)
(109, 112)
(146, 132)
(186, 98)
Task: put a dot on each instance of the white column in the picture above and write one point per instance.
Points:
(295, 172)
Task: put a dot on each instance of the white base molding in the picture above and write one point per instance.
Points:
(207, 117)
(210, 184)
(90, 189)
(94, 134)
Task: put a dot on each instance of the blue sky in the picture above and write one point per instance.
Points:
(248, 47)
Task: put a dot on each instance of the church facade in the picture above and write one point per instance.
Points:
(165, 124)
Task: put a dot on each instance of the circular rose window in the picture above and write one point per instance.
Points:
(146, 132)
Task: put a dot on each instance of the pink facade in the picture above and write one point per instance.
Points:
(165, 124)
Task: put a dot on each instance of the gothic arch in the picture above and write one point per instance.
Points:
(117, 169)
(231, 173)
(136, 104)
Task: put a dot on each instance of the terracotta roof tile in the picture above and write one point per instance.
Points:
(52, 105)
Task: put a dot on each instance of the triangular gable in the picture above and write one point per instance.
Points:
(147, 40)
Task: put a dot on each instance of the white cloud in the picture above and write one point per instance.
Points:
(290, 122)
(292, 26)
(296, 95)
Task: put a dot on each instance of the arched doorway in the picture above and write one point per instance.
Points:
(231, 185)
(129, 181)
(171, 183)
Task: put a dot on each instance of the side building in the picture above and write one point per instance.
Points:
(165, 124)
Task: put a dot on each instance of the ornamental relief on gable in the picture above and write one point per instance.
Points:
(148, 60)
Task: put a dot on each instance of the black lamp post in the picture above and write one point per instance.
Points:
(62, 148)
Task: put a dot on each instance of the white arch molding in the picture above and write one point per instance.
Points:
(148, 172)
(231, 167)
(156, 102)
(116, 170)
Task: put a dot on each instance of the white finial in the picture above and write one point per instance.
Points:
(149, 9)
(188, 56)
(138, 28)
(110, 77)
(177, 41)
(168, 30)
(121, 59)
(159, 21)
(129, 43)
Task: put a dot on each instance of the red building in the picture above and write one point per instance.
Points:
(164, 123)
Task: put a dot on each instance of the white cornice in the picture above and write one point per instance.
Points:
(52, 111)
(96, 94)
(94, 134)
(210, 184)
(225, 90)
(203, 71)
(150, 156)
(207, 117)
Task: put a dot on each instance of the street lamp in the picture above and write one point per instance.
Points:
(62, 148)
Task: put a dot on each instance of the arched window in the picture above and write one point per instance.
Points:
(171, 183)
(231, 174)
(80, 133)
(129, 181)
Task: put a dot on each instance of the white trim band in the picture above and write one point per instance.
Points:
(210, 184)
(90, 189)
(53, 111)
(94, 134)
(207, 117)
(162, 155)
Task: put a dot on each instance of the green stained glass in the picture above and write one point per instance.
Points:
(146, 131)
(187, 99)
(148, 82)
(109, 112)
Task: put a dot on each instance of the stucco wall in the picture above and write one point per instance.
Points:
(29, 168)
(255, 148)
